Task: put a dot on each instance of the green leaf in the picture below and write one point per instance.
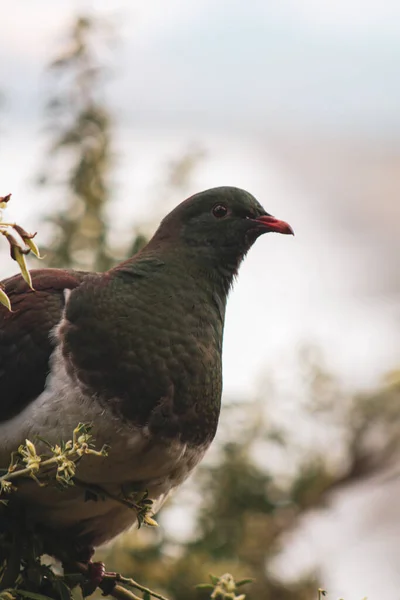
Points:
(146, 596)
(4, 299)
(40, 439)
(18, 255)
(243, 582)
(204, 586)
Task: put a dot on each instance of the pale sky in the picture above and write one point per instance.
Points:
(229, 64)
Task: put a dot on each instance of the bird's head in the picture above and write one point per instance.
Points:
(218, 226)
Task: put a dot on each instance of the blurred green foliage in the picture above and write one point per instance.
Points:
(80, 152)
(245, 505)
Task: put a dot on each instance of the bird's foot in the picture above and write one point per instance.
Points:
(95, 575)
(96, 572)
(93, 572)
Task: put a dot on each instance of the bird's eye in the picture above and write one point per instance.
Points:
(219, 211)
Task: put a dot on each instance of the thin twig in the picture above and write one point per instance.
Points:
(63, 459)
(109, 585)
(120, 593)
(134, 584)
(27, 471)
(140, 510)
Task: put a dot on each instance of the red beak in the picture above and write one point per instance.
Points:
(271, 224)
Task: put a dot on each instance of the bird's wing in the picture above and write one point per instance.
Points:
(25, 342)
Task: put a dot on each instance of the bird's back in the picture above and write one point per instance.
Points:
(25, 334)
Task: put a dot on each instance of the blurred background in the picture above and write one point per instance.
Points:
(112, 113)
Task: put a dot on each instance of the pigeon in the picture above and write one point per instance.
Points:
(136, 352)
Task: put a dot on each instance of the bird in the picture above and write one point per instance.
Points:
(136, 351)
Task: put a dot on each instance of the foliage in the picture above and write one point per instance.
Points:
(80, 157)
(22, 542)
(245, 503)
(59, 464)
(224, 587)
(21, 243)
(80, 126)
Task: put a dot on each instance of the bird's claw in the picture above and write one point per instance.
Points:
(96, 572)
(95, 578)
